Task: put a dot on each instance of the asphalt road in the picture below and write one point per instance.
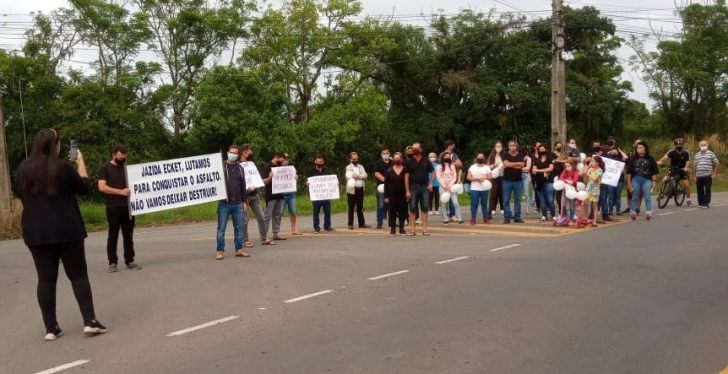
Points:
(627, 297)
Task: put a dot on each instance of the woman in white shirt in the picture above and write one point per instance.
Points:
(447, 176)
(477, 175)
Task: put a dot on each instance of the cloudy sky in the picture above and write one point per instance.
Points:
(631, 18)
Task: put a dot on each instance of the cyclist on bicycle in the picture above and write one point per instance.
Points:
(680, 161)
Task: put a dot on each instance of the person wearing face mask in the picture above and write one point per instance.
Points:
(253, 198)
(319, 170)
(418, 187)
(273, 203)
(456, 161)
(380, 171)
(526, 179)
(447, 175)
(598, 151)
(706, 170)
(629, 192)
(575, 154)
(112, 182)
(513, 161)
(614, 198)
(543, 171)
(641, 177)
(409, 153)
(495, 161)
(234, 205)
(355, 191)
(395, 194)
(561, 158)
(477, 175)
(680, 159)
(435, 195)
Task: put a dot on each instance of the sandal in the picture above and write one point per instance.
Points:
(425, 233)
(296, 233)
(248, 245)
(411, 233)
(268, 242)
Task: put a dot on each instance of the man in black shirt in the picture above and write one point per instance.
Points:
(380, 171)
(273, 203)
(680, 160)
(418, 186)
(112, 182)
(319, 170)
(514, 162)
(235, 205)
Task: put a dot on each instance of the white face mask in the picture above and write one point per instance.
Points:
(572, 145)
(433, 159)
(703, 148)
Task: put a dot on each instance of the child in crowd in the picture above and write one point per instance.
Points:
(570, 176)
(593, 178)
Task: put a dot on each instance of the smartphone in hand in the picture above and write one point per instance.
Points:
(74, 149)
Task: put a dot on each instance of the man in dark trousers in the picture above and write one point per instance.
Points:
(319, 170)
(234, 205)
(112, 182)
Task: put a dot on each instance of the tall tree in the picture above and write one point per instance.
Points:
(53, 37)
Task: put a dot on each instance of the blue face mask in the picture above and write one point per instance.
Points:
(232, 157)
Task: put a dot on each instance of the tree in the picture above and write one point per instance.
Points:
(52, 38)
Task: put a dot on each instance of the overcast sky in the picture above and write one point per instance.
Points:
(631, 18)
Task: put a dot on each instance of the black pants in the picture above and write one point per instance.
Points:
(46, 258)
(118, 217)
(495, 195)
(356, 201)
(398, 208)
(704, 185)
(435, 199)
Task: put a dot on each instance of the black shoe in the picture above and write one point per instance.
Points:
(619, 213)
(317, 230)
(638, 211)
(379, 226)
(518, 221)
(507, 221)
(329, 229)
(53, 333)
(402, 232)
(607, 219)
(626, 211)
(392, 232)
(93, 327)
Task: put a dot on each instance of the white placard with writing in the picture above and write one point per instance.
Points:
(252, 175)
(612, 171)
(169, 184)
(323, 187)
(284, 179)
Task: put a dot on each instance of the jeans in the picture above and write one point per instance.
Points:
(527, 188)
(273, 212)
(515, 188)
(356, 202)
(381, 208)
(704, 185)
(642, 187)
(119, 217)
(224, 211)
(615, 197)
(326, 205)
(604, 200)
(455, 204)
(47, 258)
(420, 196)
(479, 198)
(255, 207)
(546, 197)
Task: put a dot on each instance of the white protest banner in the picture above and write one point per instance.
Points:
(170, 184)
(284, 179)
(252, 176)
(612, 171)
(323, 187)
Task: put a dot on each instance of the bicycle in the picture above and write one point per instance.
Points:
(671, 188)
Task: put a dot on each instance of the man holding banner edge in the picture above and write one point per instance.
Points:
(235, 205)
(253, 195)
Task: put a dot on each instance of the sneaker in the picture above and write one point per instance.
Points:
(113, 268)
(430, 213)
(505, 222)
(220, 255)
(690, 203)
(93, 327)
(461, 222)
(279, 237)
(133, 266)
(317, 231)
(53, 333)
(518, 221)
(649, 216)
(472, 222)
(446, 222)
(492, 213)
(402, 232)
(624, 211)
(501, 212)
(619, 213)
(633, 216)
(365, 226)
(638, 211)
(379, 226)
(543, 219)
(486, 221)
(392, 233)
(607, 219)
(437, 212)
(528, 211)
(703, 207)
(330, 229)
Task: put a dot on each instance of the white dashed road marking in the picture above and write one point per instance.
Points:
(502, 248)
(666, 214)
(202, 326)
(452, 260)
(63, 367)
(304, 297)
(389, 275)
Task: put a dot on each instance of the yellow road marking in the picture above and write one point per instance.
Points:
(725, 371)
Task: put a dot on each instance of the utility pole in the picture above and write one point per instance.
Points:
(5, 201)
(558, 75)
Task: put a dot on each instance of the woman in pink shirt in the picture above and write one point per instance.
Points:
(447, 175)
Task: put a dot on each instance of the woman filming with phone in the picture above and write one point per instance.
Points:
(53, 228)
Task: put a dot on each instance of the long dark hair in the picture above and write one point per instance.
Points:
(39, 172)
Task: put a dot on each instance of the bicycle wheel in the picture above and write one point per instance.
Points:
(679, 194)
(665, 194)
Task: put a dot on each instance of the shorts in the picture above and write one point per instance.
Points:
(420, 195)
(289, 201)
(680, 175)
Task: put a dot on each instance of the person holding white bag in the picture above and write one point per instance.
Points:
(447, 175)
(355, 176)
(479, 176)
